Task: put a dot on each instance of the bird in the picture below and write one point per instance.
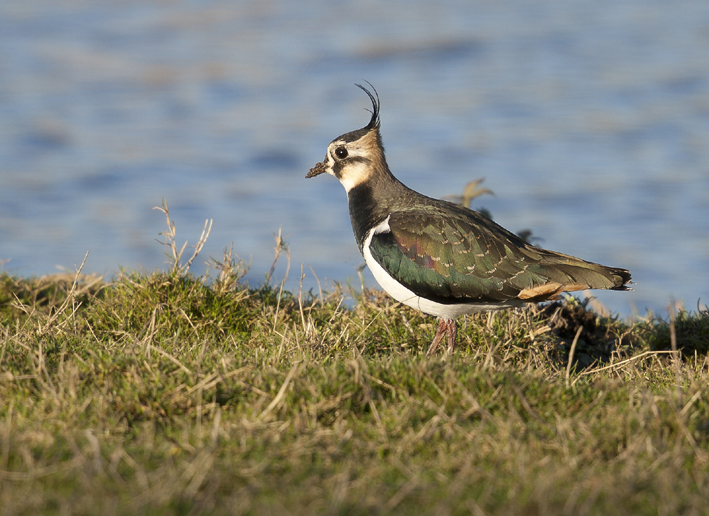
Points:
(438, 257)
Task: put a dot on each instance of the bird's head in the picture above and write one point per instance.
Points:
(356, 156)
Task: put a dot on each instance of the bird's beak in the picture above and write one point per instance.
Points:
(316, 170)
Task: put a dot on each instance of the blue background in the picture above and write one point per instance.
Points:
(589, 121)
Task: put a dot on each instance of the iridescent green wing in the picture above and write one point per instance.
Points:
(465, 257)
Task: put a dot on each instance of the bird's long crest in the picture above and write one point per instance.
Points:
(374, 121)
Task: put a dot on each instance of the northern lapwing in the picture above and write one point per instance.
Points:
(442, 258)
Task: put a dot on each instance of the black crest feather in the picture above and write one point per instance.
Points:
(374, 121)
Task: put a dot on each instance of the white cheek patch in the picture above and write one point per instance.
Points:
(354, 173)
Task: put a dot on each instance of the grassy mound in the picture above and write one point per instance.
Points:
(166, 393)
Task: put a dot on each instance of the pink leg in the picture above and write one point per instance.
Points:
(444, 326)
(440, 331)
(452, 334)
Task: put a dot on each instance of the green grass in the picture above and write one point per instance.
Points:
(165, 393)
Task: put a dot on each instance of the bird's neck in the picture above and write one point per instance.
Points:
(372, 201)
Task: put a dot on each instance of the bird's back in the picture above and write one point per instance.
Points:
(450, 253)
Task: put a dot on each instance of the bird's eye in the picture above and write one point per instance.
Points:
(341, 152)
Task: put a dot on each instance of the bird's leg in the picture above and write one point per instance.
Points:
(440, 331)
(452, 334)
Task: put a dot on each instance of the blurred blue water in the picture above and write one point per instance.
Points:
(590, 121)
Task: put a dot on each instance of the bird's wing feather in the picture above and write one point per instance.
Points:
(463, 257)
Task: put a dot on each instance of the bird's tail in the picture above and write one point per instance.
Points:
(568, 274)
